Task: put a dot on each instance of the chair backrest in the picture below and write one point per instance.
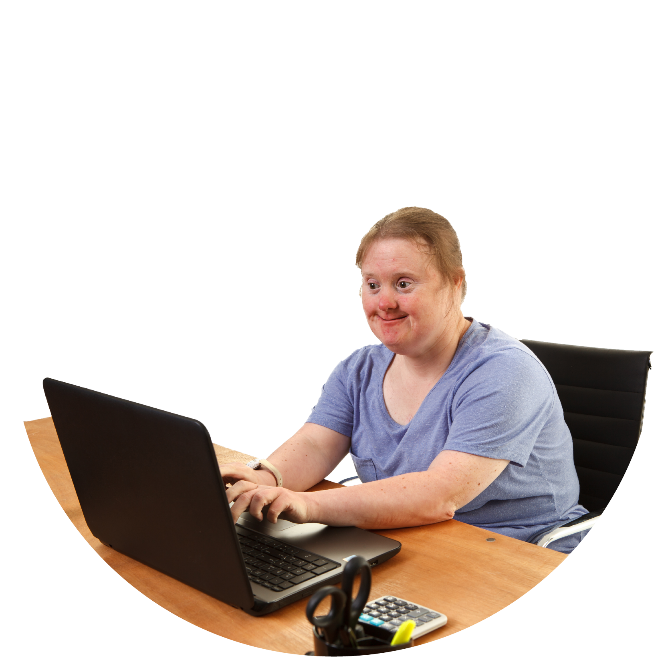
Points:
(602, 393)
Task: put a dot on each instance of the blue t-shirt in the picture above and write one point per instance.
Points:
(495, 400)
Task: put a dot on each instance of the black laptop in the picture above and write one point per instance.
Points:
(149, 486)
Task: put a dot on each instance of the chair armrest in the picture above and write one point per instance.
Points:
(580, 524)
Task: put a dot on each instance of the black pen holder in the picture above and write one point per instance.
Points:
(369, 644)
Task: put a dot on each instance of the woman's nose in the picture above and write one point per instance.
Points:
(386, 299)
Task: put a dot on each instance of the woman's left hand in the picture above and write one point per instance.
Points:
(248, 496)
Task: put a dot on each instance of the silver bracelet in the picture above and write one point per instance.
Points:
(263, 463)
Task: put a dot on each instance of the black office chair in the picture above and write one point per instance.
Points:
(602, 392)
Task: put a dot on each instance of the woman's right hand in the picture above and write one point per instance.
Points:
(232, 472)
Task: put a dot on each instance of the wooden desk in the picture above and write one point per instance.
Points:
(450, 567)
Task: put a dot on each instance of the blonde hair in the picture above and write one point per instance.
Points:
(425, 228)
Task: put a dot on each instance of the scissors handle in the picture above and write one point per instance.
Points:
(331, 623)
(353, 608)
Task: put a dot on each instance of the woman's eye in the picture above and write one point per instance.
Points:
(403, 284)
(373, 286)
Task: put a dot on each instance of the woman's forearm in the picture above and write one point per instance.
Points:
(308, 456)
(412, 499)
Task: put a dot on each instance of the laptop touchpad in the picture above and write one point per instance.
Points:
(248, 520)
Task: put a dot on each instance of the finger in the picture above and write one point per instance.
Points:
(239, 488)
(242, 503)
(279, 506)
(292, 506)
(266, 496)
(231, 472)
(231, 476)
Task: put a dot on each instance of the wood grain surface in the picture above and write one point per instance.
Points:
(450, 567)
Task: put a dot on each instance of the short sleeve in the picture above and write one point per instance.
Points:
(501, 407)
(335, 409)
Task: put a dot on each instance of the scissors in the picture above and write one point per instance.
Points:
(338, 625)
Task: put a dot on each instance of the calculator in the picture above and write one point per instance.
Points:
(389, 612)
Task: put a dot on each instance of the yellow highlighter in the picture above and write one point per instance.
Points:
(404, 632)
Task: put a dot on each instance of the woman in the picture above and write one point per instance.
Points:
(446, 418)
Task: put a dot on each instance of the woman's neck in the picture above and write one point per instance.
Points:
(435, 361)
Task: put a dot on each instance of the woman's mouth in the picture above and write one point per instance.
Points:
(402, 317)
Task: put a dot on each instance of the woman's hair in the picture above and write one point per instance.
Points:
(425, 228)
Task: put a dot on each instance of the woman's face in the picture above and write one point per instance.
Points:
(407, 304)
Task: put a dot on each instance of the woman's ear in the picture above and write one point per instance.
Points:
(464, 286)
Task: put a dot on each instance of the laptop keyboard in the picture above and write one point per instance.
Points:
(277, 565)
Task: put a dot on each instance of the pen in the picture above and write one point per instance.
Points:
(403, 634)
